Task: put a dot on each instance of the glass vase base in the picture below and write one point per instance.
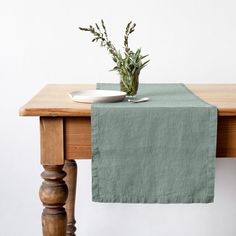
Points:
(130, 96)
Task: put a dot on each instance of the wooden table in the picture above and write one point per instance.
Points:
(65, 135)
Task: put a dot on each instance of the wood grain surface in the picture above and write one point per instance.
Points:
(52, 140)
(53, 194)
(53, 100)
(70, 168)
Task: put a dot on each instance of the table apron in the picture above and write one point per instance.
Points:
(77, 137)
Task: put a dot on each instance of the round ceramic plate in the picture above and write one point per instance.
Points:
(95, 96)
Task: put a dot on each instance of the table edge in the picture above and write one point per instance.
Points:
(73, 112)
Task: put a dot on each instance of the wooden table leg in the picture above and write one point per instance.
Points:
(53, 194)
(70, 168)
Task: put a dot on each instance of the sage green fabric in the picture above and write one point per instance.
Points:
(161, 151)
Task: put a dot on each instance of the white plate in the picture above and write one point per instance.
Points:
(95, 96)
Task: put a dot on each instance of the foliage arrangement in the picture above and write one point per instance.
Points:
(129, 64)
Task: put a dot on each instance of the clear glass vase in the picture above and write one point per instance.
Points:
(129, 85)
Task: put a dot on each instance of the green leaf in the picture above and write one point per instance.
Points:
(115, 68)
(127, 27)
(84, 29)
(132, 28)
(142, 57)
(97, 26)
(144, 64)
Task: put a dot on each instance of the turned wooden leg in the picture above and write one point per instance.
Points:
(70, 168)
(53, 194)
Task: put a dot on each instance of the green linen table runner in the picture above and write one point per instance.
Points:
(161, 151)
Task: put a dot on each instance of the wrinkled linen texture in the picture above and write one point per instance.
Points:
(160, 151)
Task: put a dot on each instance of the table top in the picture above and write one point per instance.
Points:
(53, 100)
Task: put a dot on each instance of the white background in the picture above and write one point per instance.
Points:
(190, 41)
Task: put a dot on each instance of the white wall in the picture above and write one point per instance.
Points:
(190, 41)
